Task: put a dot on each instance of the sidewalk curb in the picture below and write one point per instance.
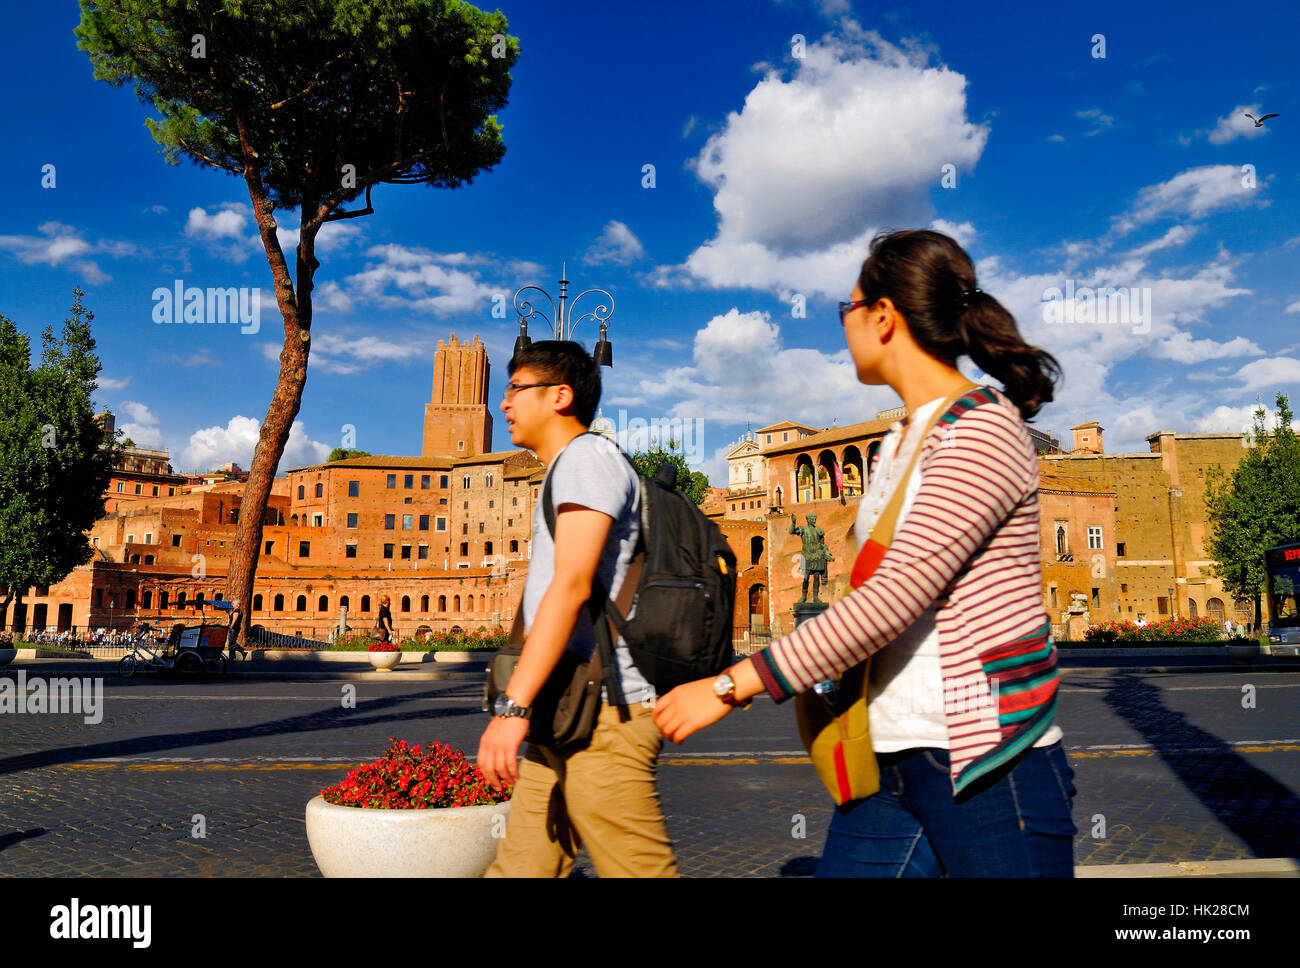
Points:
(1248, 867)
(1115, 670)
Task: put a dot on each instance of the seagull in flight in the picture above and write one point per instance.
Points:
(1259, 122)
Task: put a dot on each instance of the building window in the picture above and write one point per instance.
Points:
(300, 604)
(455, 603)
(466, 507)
(162, 600)
(489, 479)
(1094, 537)
(302, 492)
(481, 525)
(464, 549)
(121, 486)
(1096, 598)
(304, 549)
(423, 554)
(424, 603)
(352, 520)
(323, 605)
(278, 604)
(442, 603)
(408, 522)
(365, 603)
(354, 488)
(318, 519)
(171, 492)
(343, 601)
(320, 490)
(267, 551)
(514, 547)
(785, 436)
(465, 482)
(1051, 592)
(390, 522)
(425, 481)
(514, 501)
(388, 551)
(408, 481)
(424, 522)
(349, 551)
(406, 603)
(464, 527)
(257, 603)
(407, 501)
(139, 489)
(491, 505)
(1119, 549)
(392, 480)
(155, 490)
(130, 539)
(406, 552)
(442, 480)
(487, 547)
(510, 522)
(769, 438)
(441, 524)
(148, 537)
(1162, 604)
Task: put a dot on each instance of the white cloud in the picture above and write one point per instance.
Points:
(798, 173)
(1269, 374)
(689, 126)
(1177, 235)
(336, 353)
(964, 233)
(59, 245)
(1182, 348)
(1294, 307)
(213, 446)
(1236, 125)
(141, 425)
(425, 281)
(617, 243)
(1194, 193)
(1055, 137)
(1100, 121)
(108, 383)
(330, 295)
(1235, 420)
(228, 232)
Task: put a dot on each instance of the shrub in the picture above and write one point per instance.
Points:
(409, 778)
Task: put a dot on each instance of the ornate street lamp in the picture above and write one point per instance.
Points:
(562, 321)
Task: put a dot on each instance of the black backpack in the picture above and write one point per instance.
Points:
(682, 626)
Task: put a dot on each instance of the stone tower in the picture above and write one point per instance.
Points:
(457, 422)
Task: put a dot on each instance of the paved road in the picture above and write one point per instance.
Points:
(1174, 767)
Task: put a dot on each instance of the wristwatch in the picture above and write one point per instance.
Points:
(505, 706)
(724, 687)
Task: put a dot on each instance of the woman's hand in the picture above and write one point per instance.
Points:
(688, 709)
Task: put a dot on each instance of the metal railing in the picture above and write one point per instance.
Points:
(746, 640)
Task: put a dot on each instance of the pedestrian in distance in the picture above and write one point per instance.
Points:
(601, 794)
(385, 619)
(961, 693)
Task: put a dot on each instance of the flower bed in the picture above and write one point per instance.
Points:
(1175, 630)
(471, 641)
(411, 778)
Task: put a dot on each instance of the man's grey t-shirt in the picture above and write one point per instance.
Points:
(593, 473)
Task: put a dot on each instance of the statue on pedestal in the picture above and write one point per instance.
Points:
(815, 555)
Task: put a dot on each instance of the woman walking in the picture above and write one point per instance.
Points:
(962, 687)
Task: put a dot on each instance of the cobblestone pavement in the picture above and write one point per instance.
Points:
(1168, 767)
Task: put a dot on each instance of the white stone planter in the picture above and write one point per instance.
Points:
(7, 656)
(384, 661)
(368, 842)
(1244, 651)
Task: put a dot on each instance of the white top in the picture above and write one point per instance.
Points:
(905, 691)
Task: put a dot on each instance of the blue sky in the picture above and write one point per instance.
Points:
(1134, 171)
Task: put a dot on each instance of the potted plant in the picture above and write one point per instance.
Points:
(384, 655)
(412, 813)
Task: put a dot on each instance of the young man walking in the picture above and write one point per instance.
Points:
(602, 796)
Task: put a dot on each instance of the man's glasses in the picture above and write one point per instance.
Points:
(513, 388)
(848, 307)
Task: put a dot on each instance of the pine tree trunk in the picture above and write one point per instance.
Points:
(295, 308)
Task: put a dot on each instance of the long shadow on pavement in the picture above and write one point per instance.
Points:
(338, 718)
(1249, 802)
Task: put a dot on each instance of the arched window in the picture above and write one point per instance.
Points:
(365, 603)
(302, 492)
(1060, 540)
(257, 603)
(873, 451)
(135, 559)
(219, 596)
(162, 600)
(1215, 609)
(146, 601)
(749, 473)
(757, 607)
(277, 603)
(455, 604)
(320, 490)
(755, 549)
(343, 601)
(1191, 608)
(293, 519)
(406, 603)
(826, 487)
(424, 603)
(324, 604)
(804, 479)
(482, 603)
(489, 479)
(180, 599)
(148, 559)
(442, 603)
(301, 603)
(852, 471)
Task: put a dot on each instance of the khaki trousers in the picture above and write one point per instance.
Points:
(602, 797)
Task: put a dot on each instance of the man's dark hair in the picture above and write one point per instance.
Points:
(567, 362)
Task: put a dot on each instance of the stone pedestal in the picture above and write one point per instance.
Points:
(804, 611)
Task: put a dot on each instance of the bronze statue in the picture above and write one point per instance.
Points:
(815, 555)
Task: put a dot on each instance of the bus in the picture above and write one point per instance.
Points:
(1282, 571)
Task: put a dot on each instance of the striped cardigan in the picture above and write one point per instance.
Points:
(971, 544)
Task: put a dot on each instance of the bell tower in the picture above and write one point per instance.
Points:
(457, 422)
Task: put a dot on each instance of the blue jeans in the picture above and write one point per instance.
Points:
(1016, 824)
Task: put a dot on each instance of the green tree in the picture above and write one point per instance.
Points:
(55, 460)
(1254, 507)
(694, 484)
(311, 103)
(342, 453)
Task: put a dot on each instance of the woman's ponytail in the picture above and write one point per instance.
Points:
(931, 281)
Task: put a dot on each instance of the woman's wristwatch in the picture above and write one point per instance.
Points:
(505, 706)
(724, 687)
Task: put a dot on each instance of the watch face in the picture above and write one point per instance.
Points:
(500, 707)
(723, 686)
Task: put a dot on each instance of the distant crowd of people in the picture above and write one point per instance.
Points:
(86, 639)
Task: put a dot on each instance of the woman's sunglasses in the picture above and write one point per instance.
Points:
(848, 307)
